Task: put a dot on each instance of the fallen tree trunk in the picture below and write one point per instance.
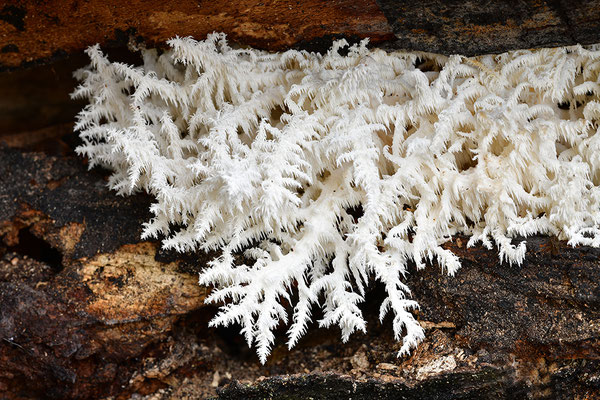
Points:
(87, 310)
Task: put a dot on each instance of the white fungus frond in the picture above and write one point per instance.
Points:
(329, 171)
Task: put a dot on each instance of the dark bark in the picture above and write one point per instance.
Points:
(478, 27)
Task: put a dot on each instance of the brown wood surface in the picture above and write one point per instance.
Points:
(31, 31)
(34, 32)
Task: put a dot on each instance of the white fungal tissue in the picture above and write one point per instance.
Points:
(315, 175)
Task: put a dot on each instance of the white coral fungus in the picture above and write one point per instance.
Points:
(326, 171)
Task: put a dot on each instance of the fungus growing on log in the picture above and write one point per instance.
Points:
(324, 172)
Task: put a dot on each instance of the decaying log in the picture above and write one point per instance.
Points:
(97, 312)
(88, 310)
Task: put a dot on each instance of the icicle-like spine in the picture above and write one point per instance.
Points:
(327, 171)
